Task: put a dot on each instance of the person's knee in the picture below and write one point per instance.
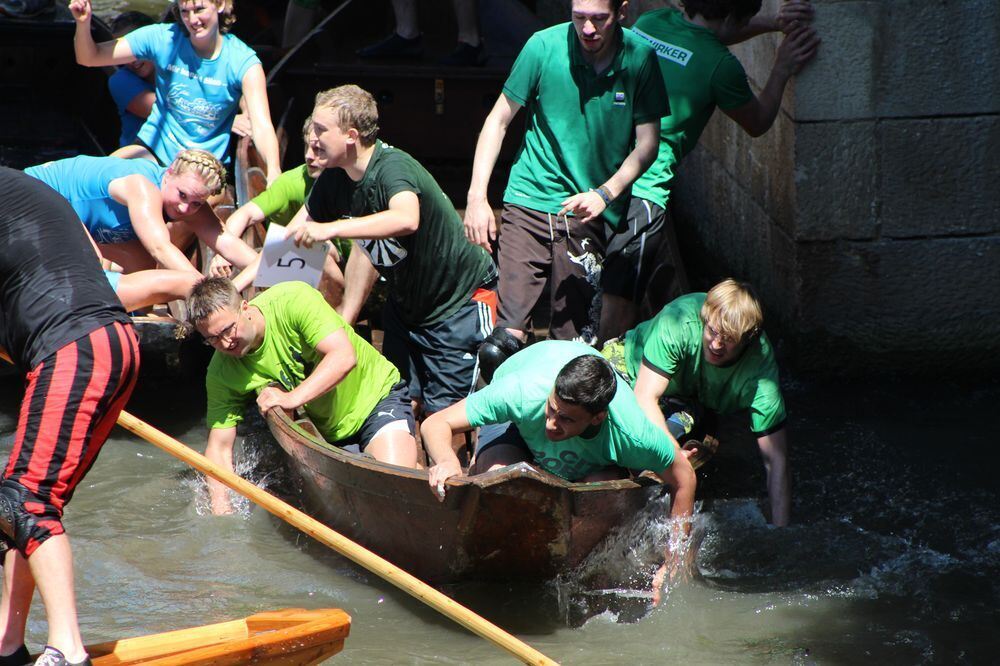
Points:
(20, 513)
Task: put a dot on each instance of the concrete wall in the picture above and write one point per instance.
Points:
(869, 217)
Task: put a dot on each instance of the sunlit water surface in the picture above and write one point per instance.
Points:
(894, 556)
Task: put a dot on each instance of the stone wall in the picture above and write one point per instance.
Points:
(869, 216)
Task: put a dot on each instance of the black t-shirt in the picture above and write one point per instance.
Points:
(431, 273)
(52, 289)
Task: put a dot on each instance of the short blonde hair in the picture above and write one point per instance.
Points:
(203, 164)
(732, 308)
(355, 108)
(209, 296)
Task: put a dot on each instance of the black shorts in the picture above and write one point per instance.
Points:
(393, 407)
(631, 256)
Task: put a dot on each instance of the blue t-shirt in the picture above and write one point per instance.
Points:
(84, 182)
(196, 98)
(125, 86)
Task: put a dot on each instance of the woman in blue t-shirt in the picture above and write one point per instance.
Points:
(125, 206)
(201, 74)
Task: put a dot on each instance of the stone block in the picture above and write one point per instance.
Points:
(941, 176)
(836, 181)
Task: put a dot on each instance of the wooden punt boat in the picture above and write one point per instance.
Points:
(514, 523)
(290, 637)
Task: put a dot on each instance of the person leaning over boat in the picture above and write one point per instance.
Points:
(700, 74)
(124, 205)
(439, 305)
(290, 335)
(594, 100)
(201, 74)
(560, 405)
(710, 349)
(62, 325)
(278, 204)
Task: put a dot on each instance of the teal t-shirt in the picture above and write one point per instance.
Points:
(519, 391)
(296, 319)
(430, 273)
(670, 344)
(700, 74)
(580, 125)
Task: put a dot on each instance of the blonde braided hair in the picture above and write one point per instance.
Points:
(203, 164)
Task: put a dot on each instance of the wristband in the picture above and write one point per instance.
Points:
(603, 193)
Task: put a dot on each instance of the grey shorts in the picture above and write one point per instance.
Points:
(631, 256)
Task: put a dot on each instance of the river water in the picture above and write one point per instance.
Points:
(894, 556)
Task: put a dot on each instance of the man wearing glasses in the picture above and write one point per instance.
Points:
(709, 350)
(289, 335)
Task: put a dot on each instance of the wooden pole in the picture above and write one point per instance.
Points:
(317, 530)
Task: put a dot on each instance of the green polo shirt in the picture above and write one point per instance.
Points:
(700, 74)
(580, 124)
(670, 344)
(519, 392)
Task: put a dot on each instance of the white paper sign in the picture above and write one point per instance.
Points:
(283, 262)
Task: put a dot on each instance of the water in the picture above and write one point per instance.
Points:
(894, 556)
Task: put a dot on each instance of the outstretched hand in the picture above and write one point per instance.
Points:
(220, 267)
(794, 12)
(309, 233)
(798, 47)
(480, 225)
(272, 397)
(81, 10)
(438, 474)
(585, 206)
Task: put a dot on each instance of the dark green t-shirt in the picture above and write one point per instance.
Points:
(518, 394)
(670, 344)
(580, 125)
(430, 273)
(700, 74)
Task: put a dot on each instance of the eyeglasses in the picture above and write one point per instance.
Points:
(228, 333)
(721, 337)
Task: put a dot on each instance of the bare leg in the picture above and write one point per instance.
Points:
(497, 456)
(468, 21)
(52, 568)
(396, 447)
(18, 587)
(406, 18)
(130, 255)
(360, 276)
(145, 288)
(618, 315)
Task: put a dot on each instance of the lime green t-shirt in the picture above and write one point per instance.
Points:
(296, 319)
(519, 391)
(430, 273)
(580, 125)
(286, 195)
(700, 74)
(670, 344)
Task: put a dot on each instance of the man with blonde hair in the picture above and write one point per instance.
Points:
(440, 288)
(710, 349)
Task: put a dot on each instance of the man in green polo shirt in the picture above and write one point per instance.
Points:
(559, 405)
(700, 74)
(440, 288)
(709, 349)
(290, 335)
(594, 100)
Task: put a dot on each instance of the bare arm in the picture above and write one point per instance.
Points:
(790, 13)
(588, 205)
(220, 451)
(649, 387)
(144, 288)
(207, 227)
(681, 479)
(359, 278)
(436, 433)
(145, 209)
(264, 138)
(142, 104)
(401, 219)
(88, 52)
(757, 115)
(243, 217)
(338, 360)
(774, 449)
(480, 224)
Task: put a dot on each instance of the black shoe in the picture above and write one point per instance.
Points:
(394, 46)
(495, 349)
(465, 55)
(19, 657)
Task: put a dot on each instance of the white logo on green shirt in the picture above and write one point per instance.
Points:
(666, 50)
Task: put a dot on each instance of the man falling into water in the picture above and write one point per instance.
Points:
(61, 323)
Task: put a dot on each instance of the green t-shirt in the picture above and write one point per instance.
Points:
(431, 273)
(296, 320)
(670, 344)
(519, 391)
(700, 74)
(580, 125)
(283, 199)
